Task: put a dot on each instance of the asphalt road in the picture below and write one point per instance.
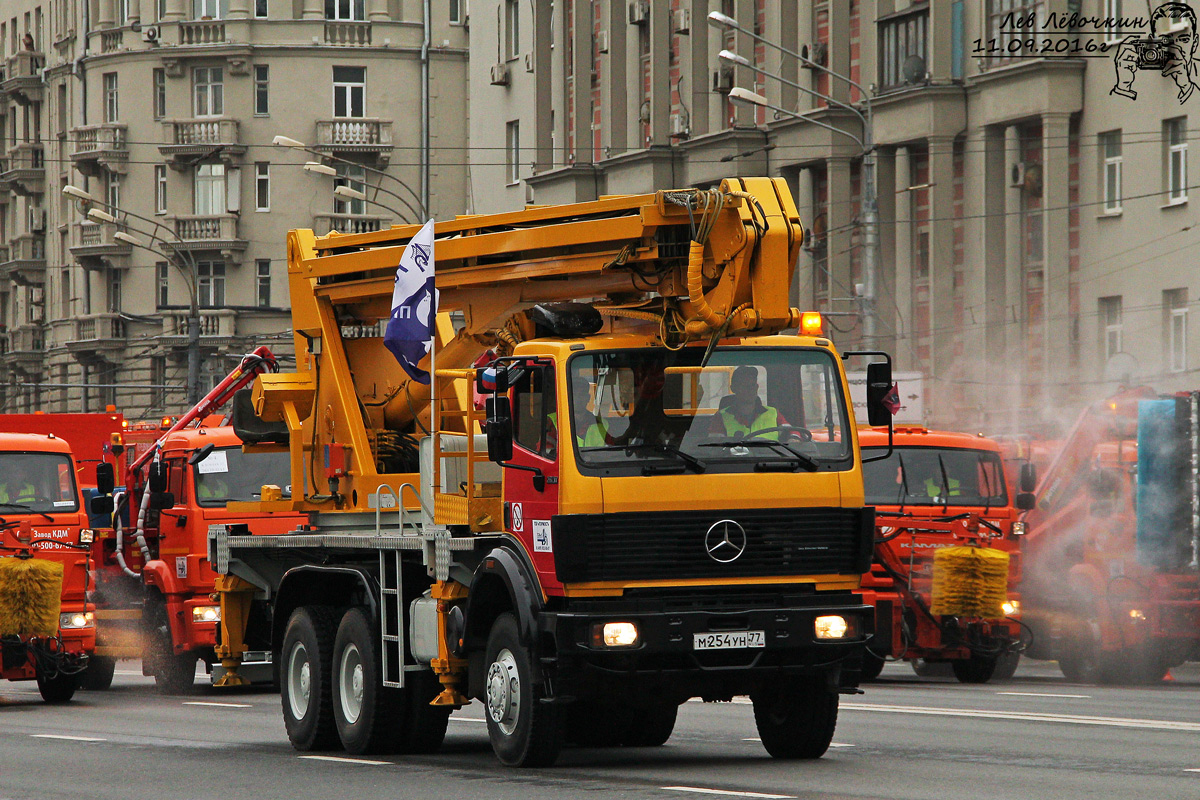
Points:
(1034, 738)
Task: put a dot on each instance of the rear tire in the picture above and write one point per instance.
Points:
(651, 726)
(176, 674)
(99, 674)
(796, 718)
(976, 669)
(58, 689)
(1006, 665)
(524, 731)
(306, 685)
(173, 673)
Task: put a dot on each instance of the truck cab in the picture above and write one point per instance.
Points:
(45, 615)
(927, 494)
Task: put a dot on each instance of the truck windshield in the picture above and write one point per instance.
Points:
(917, 476)
(36, 483)
(228, 474)
(747, 409)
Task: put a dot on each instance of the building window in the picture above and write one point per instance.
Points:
(114, 291)
(458, 12)
(262, 186)
(1011, 40)
(260, 9)
(210, 9)
(160, 188)
(344, 9)
(1111, 14)
(158, 375)
(160, 93)
(512, 152)
(901, 38)
(512, 29)
(349, 91)
(353, 176)
(208, 91)
(263, 282)
(210, 190)
(262, 96)
(1110, 326)
(210, 285)
(162, 284)
(64, 299)
(1175, 313)
(110, 97)
(112, 190)
(1175, 136)
(1110, 165)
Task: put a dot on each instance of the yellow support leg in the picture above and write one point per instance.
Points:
(235, 595)
(450, 669)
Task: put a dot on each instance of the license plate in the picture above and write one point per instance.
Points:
(731, 640)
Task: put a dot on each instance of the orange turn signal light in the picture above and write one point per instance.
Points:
(811, 324)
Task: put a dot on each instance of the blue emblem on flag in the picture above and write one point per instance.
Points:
(409, 333)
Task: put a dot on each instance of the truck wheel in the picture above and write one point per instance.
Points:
(524, 731)
(1006, 665)
(650, 726)
(593, 723)
(306, 686)
(176, 674)
(173, 673)
(795, 718)
(424, 725)
(872, 666)
(930, 669)
(976, 669)
(58, 689)
(99, 673)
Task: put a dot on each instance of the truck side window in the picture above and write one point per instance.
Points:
(176, 469)
(535, 423)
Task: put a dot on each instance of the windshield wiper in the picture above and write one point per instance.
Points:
(673, 450)
(945, 485)
(808, 462)
(27, 508)
(903, 482)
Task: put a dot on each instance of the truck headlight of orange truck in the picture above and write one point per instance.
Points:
(206, 614)
(74, 620)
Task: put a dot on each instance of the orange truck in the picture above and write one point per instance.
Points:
(939, 490)
(47, 628)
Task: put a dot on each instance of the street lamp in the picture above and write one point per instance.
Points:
(870, 211)
(748, 97)
(286, 141)
(324, 169)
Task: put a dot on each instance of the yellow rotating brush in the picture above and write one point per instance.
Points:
(970, 582)
(30, 596)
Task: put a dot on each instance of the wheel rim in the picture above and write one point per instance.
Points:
(299, 680)
(504, 692)
(350, 683)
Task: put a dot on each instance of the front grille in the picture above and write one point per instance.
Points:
(671, 545)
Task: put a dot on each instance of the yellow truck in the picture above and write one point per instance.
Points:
(623, 487)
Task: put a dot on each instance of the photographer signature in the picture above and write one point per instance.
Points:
(1171, 51)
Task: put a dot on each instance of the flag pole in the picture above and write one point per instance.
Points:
(435, 414)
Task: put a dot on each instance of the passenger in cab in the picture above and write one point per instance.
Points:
(742, 413)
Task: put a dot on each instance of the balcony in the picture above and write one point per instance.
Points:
(348, 34)
(95, 335)
(350, 223)
(100, 147)
(359, 135)
(218, 327)
(25, 260)
(188, 139)
(23, 171)
(202, 32)
(24, 347)
(95, 248)
(23, 77)
(208, 232)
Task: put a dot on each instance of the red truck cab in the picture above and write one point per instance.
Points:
(931, 478)
(42, 519)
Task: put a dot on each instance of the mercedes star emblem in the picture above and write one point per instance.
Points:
(725, 541)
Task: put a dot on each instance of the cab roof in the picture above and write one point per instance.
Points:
(33, 443)
(193, 438)
(919, 436)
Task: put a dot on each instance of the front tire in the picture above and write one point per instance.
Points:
(58, 689)
(1006, 665)
(796, 718)
(305, 684)
(872, 666)
(524, 731)
(651, 726)
(976, 669)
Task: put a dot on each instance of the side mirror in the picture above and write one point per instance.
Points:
(101, 504)
(879, 386)
(489, 380)
(1028, 477)
(499, 430)
(1026, 501)
(157, 479)
(161, 500)
(201, 454)
(105, 478)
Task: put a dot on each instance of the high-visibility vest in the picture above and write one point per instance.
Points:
(769, 418)
(594, 436)
(23, 495)
(934, 489)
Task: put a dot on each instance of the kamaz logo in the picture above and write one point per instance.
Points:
(928, 544)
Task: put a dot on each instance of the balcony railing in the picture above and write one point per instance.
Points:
(202, 32)
(364, 135)
(26, 339)
(213, 322)
(348, 34)
(100, 146)
(212, 228)
(350, 223)
(111, 41)
(99, 326)
(23, 77)
(201, 131)
(23, 171)
(28, 247)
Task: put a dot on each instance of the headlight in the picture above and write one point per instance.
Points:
(206, 613)
(1011, 607)
(1018, 529)
(1137, 615)
(832, 627)
(86, 536)
(73, 620)
(615, 634)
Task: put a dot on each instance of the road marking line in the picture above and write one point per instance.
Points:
(727, 792)
(67, 738)
(348, 760)
(216, 705)
(467, 719)
(1192, 770)
(1044, 694)
(1068, 719)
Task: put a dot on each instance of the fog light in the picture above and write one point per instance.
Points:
(73, 620)
(615, 634)
(1018, 529)
(1010, 607)
(832, 627)
(86, 536)
(206, 614)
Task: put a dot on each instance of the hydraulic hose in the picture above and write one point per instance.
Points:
(695, 286)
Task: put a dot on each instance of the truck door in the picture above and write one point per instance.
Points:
(537, 430)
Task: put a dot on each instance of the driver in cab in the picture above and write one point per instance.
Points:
(742, 413)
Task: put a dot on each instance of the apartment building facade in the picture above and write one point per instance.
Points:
(1034, 224)
(165, 111)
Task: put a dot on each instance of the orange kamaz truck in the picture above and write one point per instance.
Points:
(632, 479)
(47, 628)
(939, 490)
